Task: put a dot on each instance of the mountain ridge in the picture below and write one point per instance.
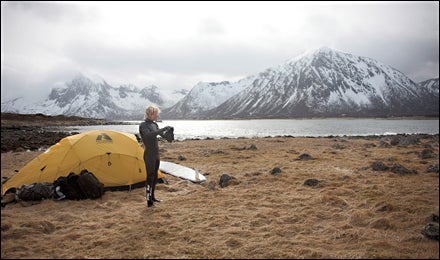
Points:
(323, 82)
(86, 98)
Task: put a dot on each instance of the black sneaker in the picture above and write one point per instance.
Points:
(150, 203)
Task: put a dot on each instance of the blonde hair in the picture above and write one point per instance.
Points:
(150, 111)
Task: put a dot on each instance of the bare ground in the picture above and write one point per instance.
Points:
(353, 211)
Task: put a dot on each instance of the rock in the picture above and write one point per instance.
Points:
(400, 169)
(224, 180)
(275, 171)
(311, 182)
(305, 156)
(431, 231)
(379, 166)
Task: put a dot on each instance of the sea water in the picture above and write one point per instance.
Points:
(202, 129)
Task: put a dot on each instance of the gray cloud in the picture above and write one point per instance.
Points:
(178, 58)
(50, 11)
(177, 45)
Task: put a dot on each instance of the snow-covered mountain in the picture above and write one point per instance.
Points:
(319, 83)
(86, 98)
(204, 96)
(322, 82)
(429, 94)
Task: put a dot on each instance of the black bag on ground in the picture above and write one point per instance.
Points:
(66, 187)
(78, 187)
(60, 188)
(35, 191)
(72, 179)
(90, 186)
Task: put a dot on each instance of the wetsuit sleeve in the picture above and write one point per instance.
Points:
(147, 132)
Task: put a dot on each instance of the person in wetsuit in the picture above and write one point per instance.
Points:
(149, 130)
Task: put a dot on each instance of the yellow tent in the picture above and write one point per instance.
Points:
(115, 158)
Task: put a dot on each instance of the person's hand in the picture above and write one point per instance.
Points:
(166, 128)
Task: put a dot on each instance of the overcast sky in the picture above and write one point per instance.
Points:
(175, 45)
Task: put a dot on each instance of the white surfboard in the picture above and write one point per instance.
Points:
(181, 171)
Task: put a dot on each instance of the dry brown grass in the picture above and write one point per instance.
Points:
(354, 212)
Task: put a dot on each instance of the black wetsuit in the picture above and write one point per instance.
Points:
(149, 130)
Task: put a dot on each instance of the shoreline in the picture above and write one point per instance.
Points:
(82, 120)
(35, 138)
(21, 132)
